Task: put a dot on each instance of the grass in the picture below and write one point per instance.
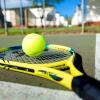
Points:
(17, 31)
(50, 30)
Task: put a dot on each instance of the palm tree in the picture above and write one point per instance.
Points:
(40, 4)
(43, 4)
(52, 2)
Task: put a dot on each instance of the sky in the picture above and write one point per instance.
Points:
(67, 7)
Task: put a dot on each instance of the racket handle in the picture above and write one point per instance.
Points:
(86, 87)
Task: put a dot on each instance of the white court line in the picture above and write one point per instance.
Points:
(97, 53)
(97, 57)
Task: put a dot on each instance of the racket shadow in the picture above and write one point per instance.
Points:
(25, 79)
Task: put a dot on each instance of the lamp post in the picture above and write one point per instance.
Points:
(82, 7)
(44, 13)
(5, 22)
(21, 17)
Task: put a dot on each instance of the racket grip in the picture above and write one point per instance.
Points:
(86, 87)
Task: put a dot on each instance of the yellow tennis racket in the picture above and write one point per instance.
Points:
(50, 65)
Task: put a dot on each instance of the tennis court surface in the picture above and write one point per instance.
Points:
(18, 86)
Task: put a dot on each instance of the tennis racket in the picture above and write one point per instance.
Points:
(52, 65)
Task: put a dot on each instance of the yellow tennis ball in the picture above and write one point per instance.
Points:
(33, 44)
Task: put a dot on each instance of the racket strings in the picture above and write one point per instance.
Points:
(49, 56)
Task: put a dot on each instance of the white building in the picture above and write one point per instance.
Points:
(92, 15)
(77, 18)
(36, 17)
(93, 11)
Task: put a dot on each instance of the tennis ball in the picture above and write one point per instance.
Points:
(33, 44)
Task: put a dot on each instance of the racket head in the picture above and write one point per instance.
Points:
(54, 56)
